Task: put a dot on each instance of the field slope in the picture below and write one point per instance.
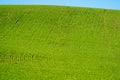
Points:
(59, 43)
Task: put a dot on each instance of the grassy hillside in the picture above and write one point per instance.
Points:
(59, 43)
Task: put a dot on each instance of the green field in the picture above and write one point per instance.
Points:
(59, 43)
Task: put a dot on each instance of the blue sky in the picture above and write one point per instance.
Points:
(109, 4)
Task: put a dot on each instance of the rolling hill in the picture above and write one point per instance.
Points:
(40, 42)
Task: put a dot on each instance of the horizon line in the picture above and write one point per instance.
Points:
(62, 5)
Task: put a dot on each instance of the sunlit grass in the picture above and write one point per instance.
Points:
(59, 43)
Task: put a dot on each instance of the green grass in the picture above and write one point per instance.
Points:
(59, 43)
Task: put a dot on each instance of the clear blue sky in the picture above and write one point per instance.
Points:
(110, 4)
